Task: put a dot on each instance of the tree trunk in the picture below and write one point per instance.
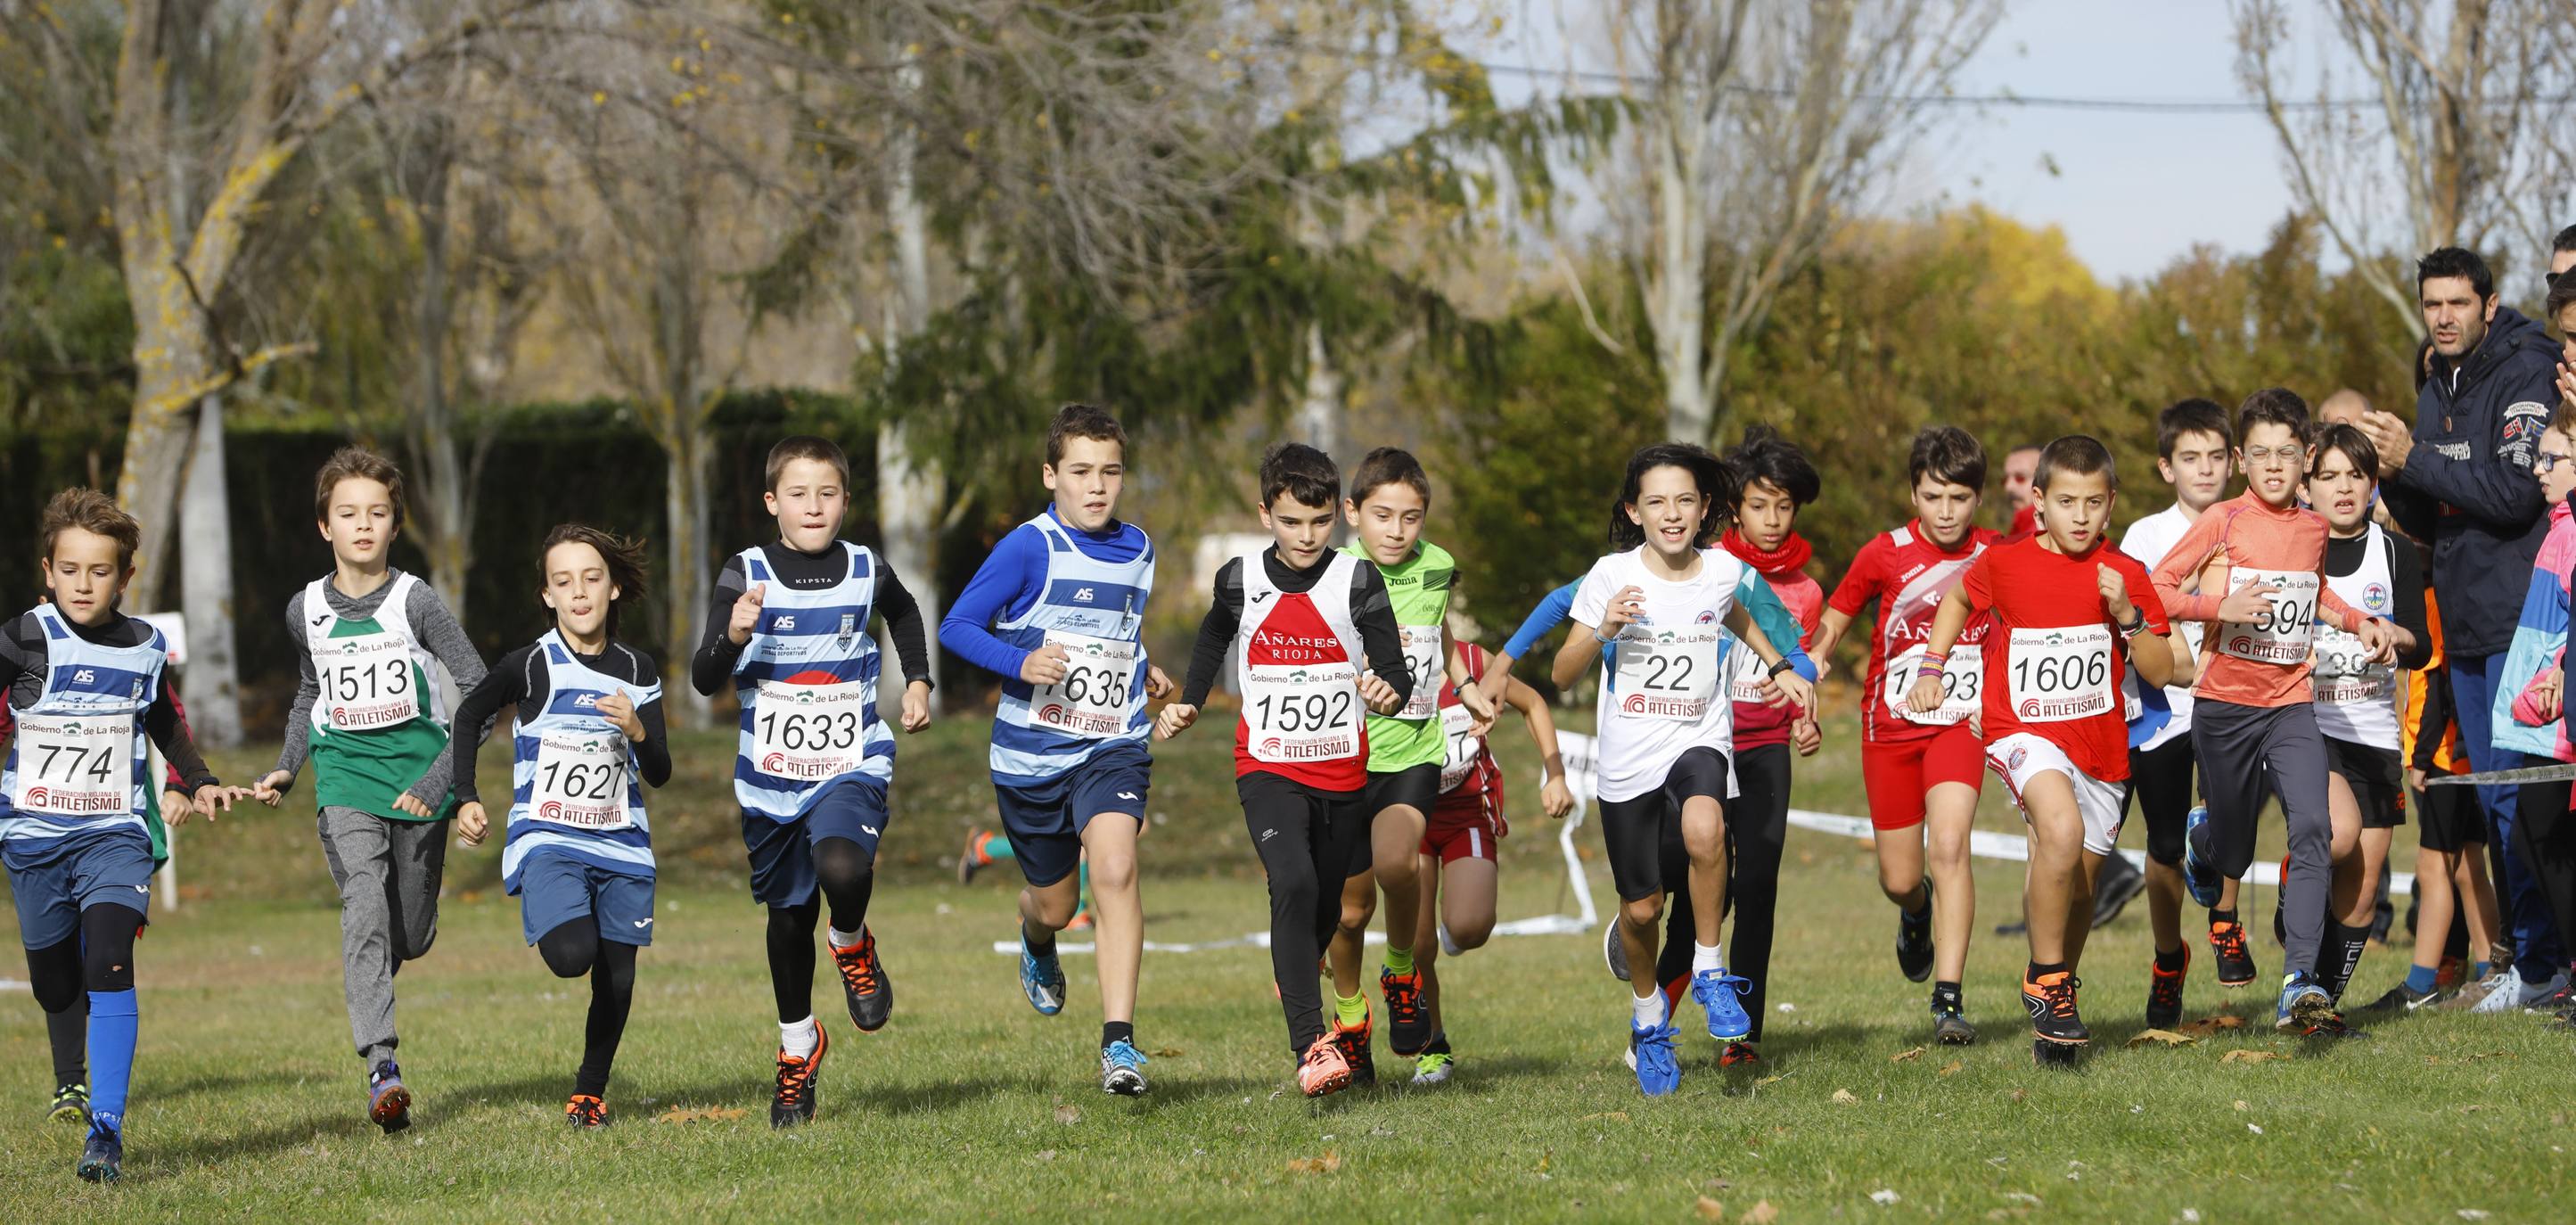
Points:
(910, 487)
(1319, 409)
(206, 557)
(1678, 303)
(686, 508)
(168, 345)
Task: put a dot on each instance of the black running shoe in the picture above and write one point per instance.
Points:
(1354, 1041)
(2402, 998)
(2235, 961)
(1613, 953)
(1408, 1027)
(103, 1156)
(2164, 993)
(864, 981)
(2051, 1001)
(2119, 882)
(2331, 1027)
(1914, 940)
(794, 1101)
(585, 1113)
(1949, 1027)
(71, 1104)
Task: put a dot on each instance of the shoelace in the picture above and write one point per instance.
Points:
(1125, 1055)
(588, 1109)
(1403, 1000)
(794, 1075)
(858, 966)
(2058, 991)
(2230, 939)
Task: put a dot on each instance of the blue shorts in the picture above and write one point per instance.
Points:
(54, 885)
(555, 889)
(782, 852)
(1045, 820)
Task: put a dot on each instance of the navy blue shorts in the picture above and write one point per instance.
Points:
(1045, 821)
(782, 852)
(53, 886)
(555, 889)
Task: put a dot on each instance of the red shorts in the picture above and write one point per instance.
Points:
(1897, 775)
(1464, 827)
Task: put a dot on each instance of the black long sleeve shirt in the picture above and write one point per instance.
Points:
(521, 678)
(1372, 613)
(712, 668)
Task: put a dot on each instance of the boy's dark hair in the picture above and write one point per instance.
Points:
(2193, 416)
(623, 555)
(2566, 241)
(1083, 421)
(356, 463)
(1389, 466)
(1719, 486)
(2355, 445)
(1947, 454)
(1301, 472)
(2561, 296)
(2075, 455)
(805, 446)
(1775, 461)
(2273, 406)
(2456, 261)
(95, 513)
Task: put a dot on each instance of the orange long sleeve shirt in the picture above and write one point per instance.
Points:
(2264, 662)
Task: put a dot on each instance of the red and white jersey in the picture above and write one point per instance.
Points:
(1467, 766)
(1298, 667)
(1909, 576)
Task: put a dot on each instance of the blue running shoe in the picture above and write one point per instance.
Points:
(1041, 979)
(1122, 1069)
(2304, 1004)
(388, 1101)
(2198, 875)
(1651, 1049)
(103, 1156)
(1722, 994)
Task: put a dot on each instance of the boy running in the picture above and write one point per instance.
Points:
(789, 631)
(373, 646)
(1389, 497)
(1664, 602)
(1923, 768)
(2065, 610)
(1316, 648)
(1056, 611)
(2253, 717)
(1458, 856)
(578, 848)
(2194, 446)
(84, 685)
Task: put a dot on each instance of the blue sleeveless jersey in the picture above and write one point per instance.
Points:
(574, 785)
(807, 681)
(1040, 733)
(63, 778)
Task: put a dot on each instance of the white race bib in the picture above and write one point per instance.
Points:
(1091, 700)
(581, 781)
(1963, 685)
(75, 765)
(2061, 674)
(811, 732)
(1668, 674)
(1297, 713)
(1426, 655)
(2283, 634)
(366, 683)
(1461, 746)
(2344, 675)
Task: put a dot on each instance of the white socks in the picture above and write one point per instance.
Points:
(1706, 957)
(843, 940)
(799, 1038)
(1647, 1011)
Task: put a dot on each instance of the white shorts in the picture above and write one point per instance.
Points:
(2022, 756)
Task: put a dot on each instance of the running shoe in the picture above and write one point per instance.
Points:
(973, 859)
(1950, 1024)
(2500, 982)
(2450, 974)
(388, 1102)
(585, 1113)
(1324, 1069)
(71, 1104)
(2402, 998)
(2199, 876)
(1738, 1055)
(1914, 940)
(1613, 953)
(1122, 1069)
(1080, 922)
(2304, 1003)
(864, 981)
(1650, 1050)
(2235, 961)
(2053, 1017)
(2331, 1027)
(2119, 882)
(1041, 979)
(1355, 1041)
(798, 1082)
(2535, 997)
(1722, 994)
(2554, 1002)
(1435, 1065)
(103, 1155)
(1449, 946)
(1408, 1027)
(2164, 992)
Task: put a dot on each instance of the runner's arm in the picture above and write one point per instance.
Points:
(2415, 648)
(1011, 574)
(653, 753)
(1373, 614)
(712, 666)
(1216, 634)
(520, 673)
(902, 616)
(2172, 576)
(1763, 606)
(1541, 724)
(308, 689)
(161, 721)
(454, 651)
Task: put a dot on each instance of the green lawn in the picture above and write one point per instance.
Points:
(247, 1099)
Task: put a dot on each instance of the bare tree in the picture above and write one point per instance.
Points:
(1758, 130)
(2457, 133)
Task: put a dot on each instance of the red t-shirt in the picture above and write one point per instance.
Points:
(1908, 575)
(2055, 655)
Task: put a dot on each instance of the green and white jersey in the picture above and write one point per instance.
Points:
(379, 718)
(1419, 590)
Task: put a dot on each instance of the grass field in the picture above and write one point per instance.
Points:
(247, 1099)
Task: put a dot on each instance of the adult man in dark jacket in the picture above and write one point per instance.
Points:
(2463, 481)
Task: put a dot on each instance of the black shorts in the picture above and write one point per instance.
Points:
(2160, 785)
(1415, 787)
(2377, 778)
(1634, 830)
(2451, 819)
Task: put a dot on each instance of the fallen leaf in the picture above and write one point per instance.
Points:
(2021, 1094)
(1773, 1079)
(1546, 1160)
(1761, 1213)
(2473, 1107)
(1884, 1196)
(713, 1114)
(1843, 1097)
(1717, 1184)
(2250, 1056)
(1165, 1052)
(1949, 1068)
(1326, 1164)
(2166, 1036)
(1902, 1056)
(2240, 1104)
(1620, 1115)
(1046, 1154)
(1068, 1114)
(1710, 1210)
(2209, 1025)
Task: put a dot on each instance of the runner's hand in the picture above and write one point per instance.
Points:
(1157, 685)
(1379, 695)
(1624, 610)
(2115, 593)
(1556, 799)
(175, 807)
(1925, 696)
(209, 798)
(619, 709)
(1045, 665)
(746, 614)
(916, 706)
(271, 790)
(2376, 639)
(414, 805)
(1473, 698)
(471, 823)
(2247, 603)
(1806, 735)
(1174, 719)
